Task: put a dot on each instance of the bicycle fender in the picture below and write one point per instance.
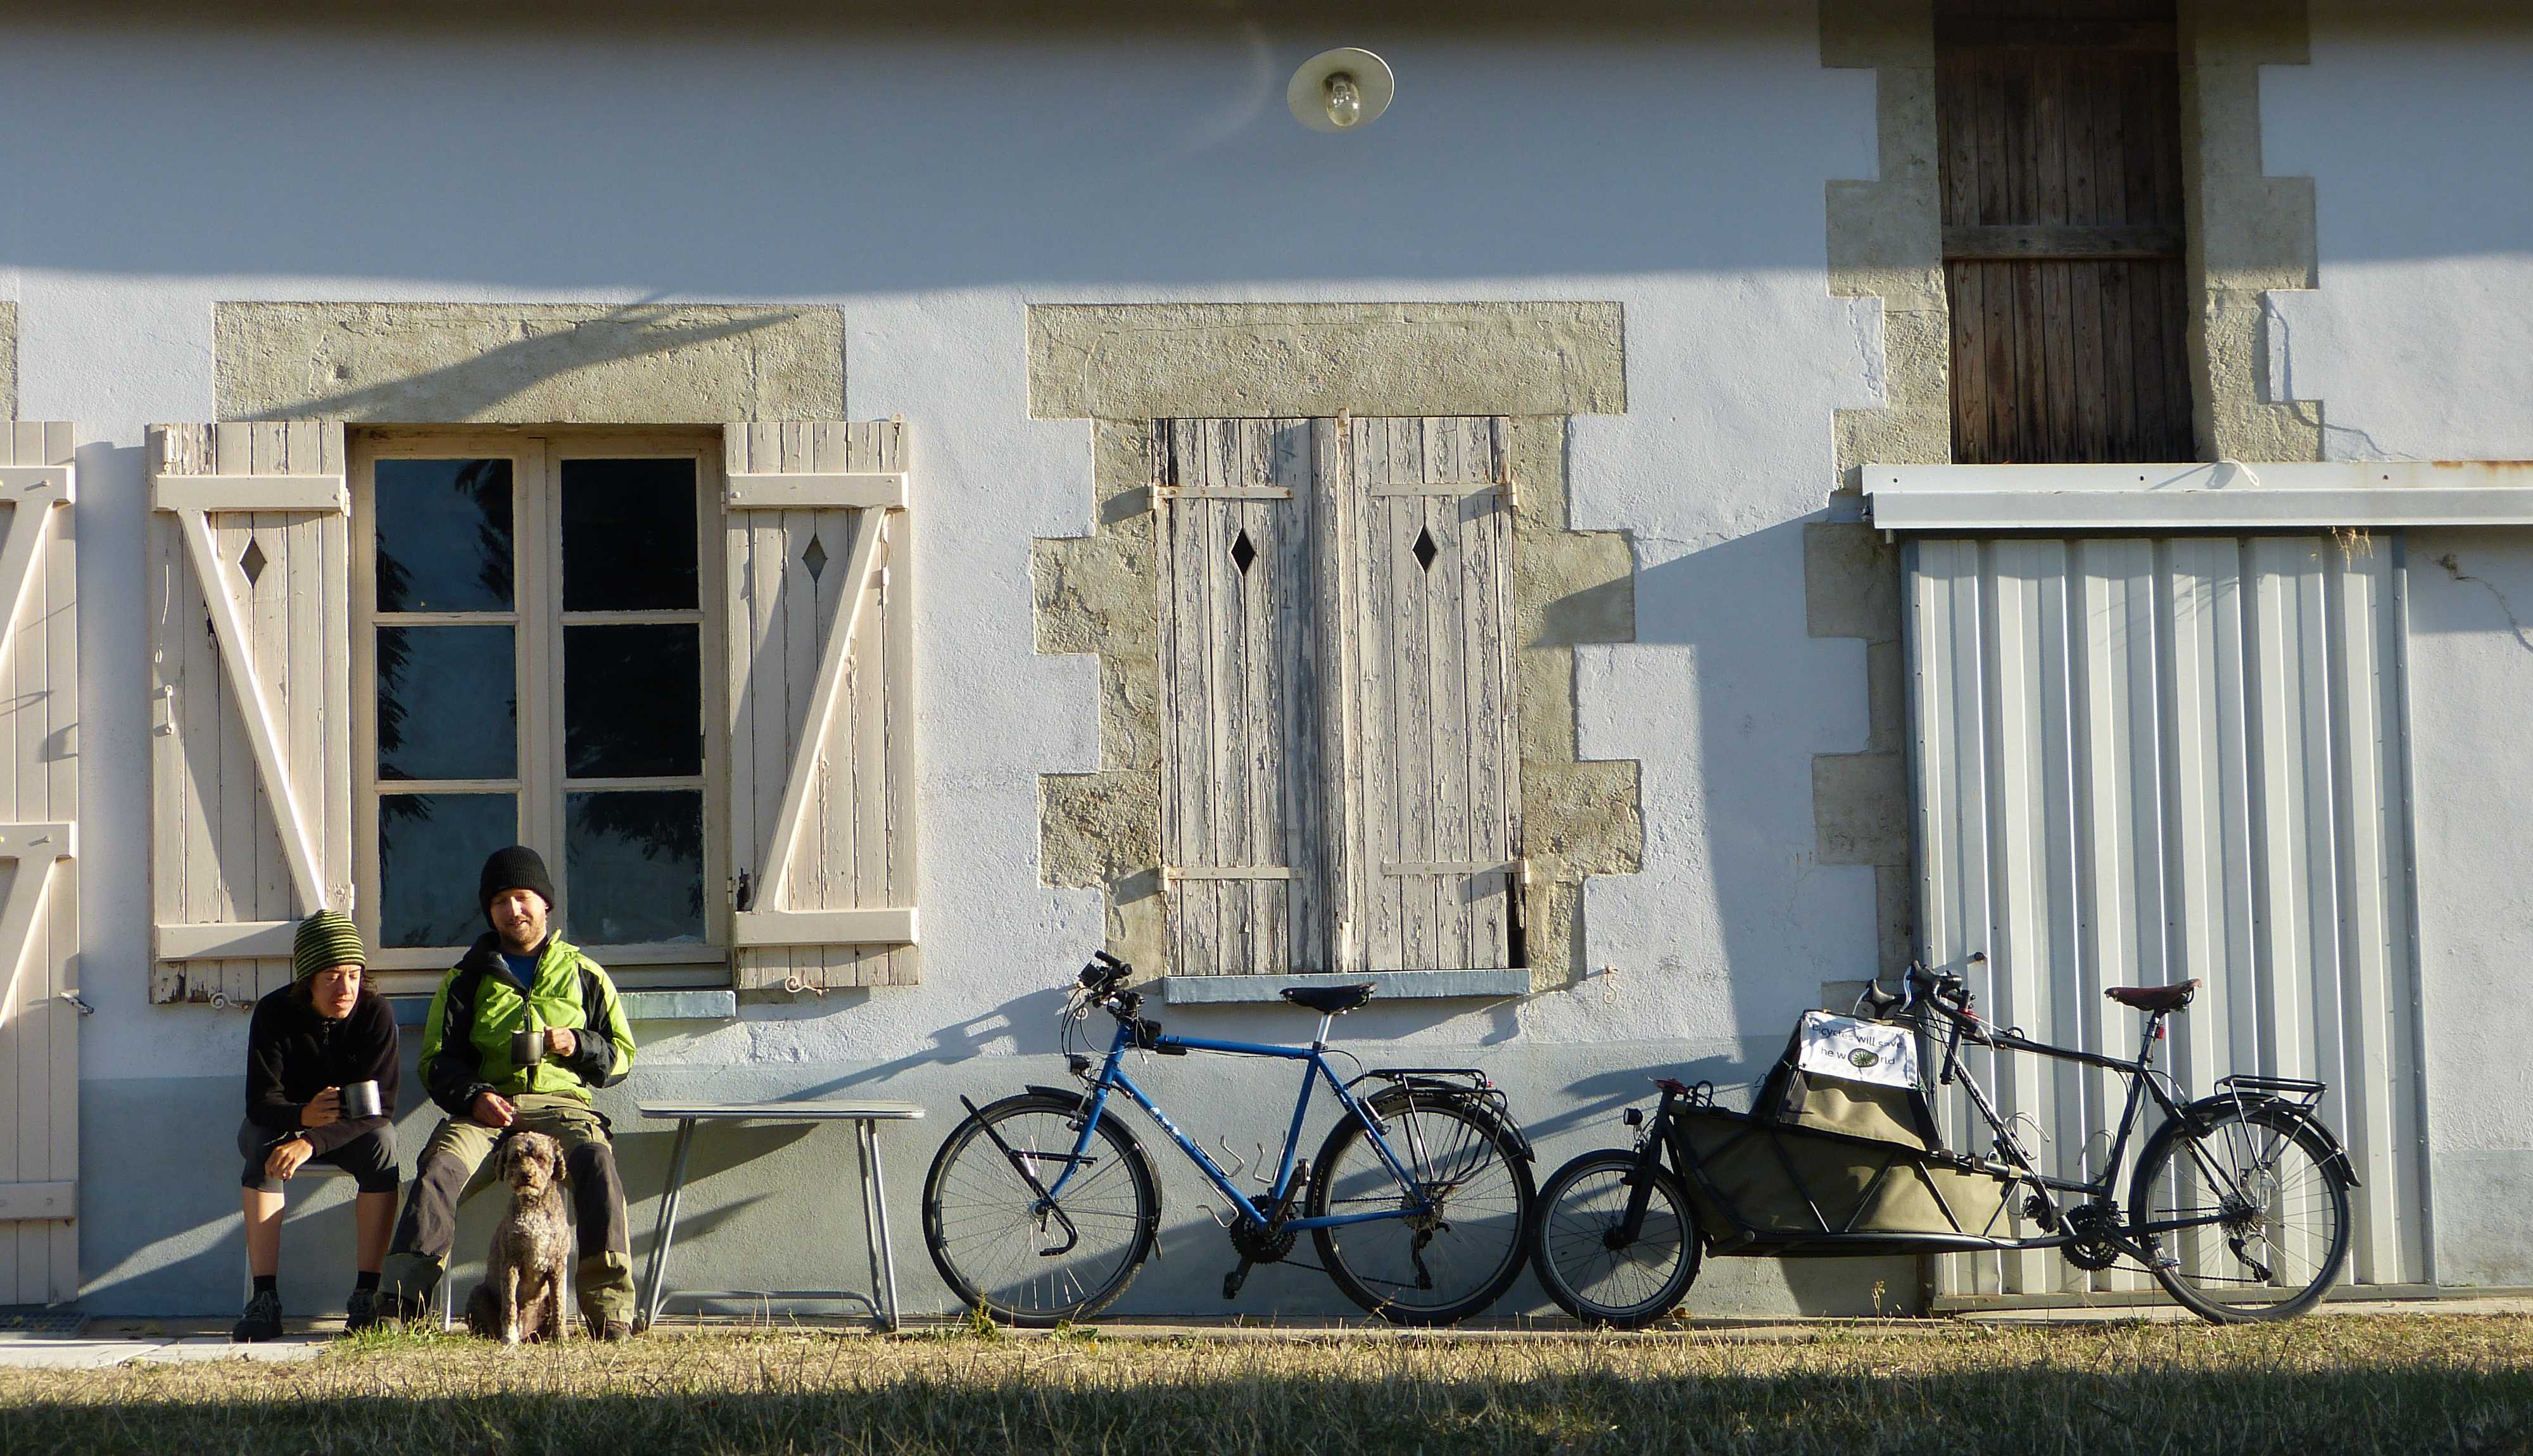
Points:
(1081, 1101)
(2335, 1155)
(1476, 1103)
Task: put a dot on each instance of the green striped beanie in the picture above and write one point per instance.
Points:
(327, 937)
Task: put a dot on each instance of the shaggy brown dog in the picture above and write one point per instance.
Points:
(521, 1296)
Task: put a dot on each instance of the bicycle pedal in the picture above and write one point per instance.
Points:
(1232, 1281)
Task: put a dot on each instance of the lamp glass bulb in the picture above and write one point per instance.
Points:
(1345, 100)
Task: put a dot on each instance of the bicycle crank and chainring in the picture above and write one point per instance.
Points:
(1262, 1243)
(2096, 1231)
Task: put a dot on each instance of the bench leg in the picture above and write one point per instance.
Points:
(655, 1278)
(875, 1219)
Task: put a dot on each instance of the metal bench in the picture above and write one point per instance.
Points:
(865, 1114)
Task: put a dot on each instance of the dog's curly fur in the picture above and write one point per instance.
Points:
(521, 1296)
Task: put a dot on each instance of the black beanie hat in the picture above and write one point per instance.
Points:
(515, 868)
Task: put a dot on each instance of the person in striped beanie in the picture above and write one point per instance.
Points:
(309, 1041)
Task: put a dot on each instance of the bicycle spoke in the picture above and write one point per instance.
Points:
(999, 1243)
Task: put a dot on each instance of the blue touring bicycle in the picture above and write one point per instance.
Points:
(1041, 1206)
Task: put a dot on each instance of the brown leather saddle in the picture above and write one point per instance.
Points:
(2156, 998)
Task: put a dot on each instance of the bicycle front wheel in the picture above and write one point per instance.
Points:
(1588, 1267)
(1004, 1249)
(1440, 1259)
(2266, 1208)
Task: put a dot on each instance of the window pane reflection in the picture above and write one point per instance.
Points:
(443, 531)
(629, 536)
(430, 847)
(447, 703)
(635, 862)
(633, 701)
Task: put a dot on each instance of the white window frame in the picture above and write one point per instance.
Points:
(538, 455)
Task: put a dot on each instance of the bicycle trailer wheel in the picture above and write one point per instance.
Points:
(1581, 1251)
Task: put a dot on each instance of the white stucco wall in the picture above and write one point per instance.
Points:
(2413, 122)
(934, 187)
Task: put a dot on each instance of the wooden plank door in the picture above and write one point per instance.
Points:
(1243, 801)
(2060, 127)
(38, 841)
(1435, 775)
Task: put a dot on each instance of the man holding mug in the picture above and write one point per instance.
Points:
(321, 1083)
(522, 1030)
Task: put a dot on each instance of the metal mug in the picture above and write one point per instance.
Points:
(527, 1048)
(361, 1099)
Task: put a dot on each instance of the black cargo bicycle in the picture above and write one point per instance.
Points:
(2238, 1204)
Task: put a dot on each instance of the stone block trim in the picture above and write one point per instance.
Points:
(526, 363)
(1124, 365)
(8, 359)
(1188, 361)
(1886, 242)
(2249, 232)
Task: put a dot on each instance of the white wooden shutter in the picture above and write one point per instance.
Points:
(1243, 816)
(822, 708)
(250, 622)
(1432, 791)
(39, 749)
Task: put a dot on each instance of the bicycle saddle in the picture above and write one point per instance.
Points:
(2156, 998)
(1327, 1001)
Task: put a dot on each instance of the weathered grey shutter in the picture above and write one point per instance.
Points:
(249, 636)
(39, 748)
(1243, 828)
(1433, 788)
(820, 633)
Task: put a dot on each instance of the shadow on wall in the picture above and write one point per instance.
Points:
(542, 157)
(1767, 698)
(478, 385)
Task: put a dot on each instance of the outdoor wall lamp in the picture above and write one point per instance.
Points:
(1337, 90)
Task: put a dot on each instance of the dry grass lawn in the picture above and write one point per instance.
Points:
(2409, 1385)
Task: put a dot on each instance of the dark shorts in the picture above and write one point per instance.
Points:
(369, 1158)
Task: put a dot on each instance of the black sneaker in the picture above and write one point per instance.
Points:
(363, 1311)
(262, 1320)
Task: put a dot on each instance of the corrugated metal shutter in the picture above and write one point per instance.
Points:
(2142, 760)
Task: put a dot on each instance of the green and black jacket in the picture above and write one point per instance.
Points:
(466, 1044)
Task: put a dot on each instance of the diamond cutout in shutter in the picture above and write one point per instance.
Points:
(252, 562)
(1242, 553)
(1426, 551)
(814, 558)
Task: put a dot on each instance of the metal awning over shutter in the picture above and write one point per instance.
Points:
(2145, 758)
(2228, 495)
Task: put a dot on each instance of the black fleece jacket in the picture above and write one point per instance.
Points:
(292, 1054)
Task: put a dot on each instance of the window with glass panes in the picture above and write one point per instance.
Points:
(530, 644)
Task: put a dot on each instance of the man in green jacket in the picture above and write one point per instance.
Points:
(521, 977)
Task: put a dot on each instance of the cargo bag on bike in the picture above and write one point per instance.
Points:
(1838, 1155)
